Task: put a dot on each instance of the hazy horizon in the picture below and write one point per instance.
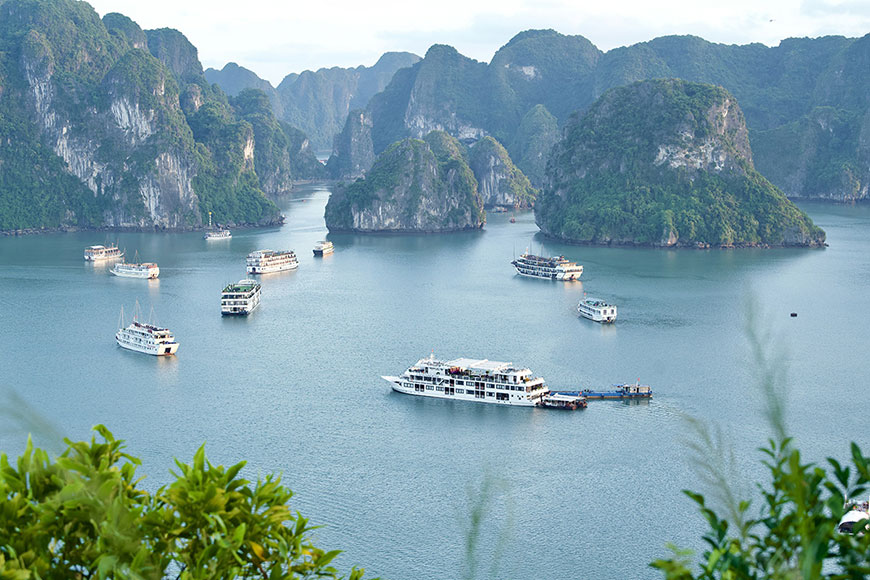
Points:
(274, 39)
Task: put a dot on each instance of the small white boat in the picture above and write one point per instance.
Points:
(100, 253)
(219, 234)
(145, 270)
(857, 512)
(240, 298)
(323, 247)
(268, 261)
(597, 310)
(145, 338)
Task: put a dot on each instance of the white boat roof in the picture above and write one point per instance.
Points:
(854, 516)
(480, 364)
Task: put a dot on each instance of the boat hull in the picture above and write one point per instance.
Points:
(272, 269)
(149, 275)
(156, 350)
(559, 277)
(398, 386)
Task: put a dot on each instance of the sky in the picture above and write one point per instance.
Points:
(274, 37)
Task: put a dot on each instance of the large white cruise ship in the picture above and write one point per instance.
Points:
(240, 298)
(266, 261)
(482, 381)
(145, 270)
(99, 253)
(145, 338)
(554, 268)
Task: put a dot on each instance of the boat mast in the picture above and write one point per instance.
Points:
(121, 319)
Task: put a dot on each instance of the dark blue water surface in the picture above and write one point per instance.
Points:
(296, 386)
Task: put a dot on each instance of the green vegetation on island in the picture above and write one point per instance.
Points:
(500, 182)
(414, 186)
(665, 163)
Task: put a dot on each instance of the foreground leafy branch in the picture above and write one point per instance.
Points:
(795, 534)
(83, 516)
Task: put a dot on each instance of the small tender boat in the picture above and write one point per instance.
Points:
(323, 247)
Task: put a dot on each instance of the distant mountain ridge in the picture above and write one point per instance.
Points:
(805, 96)
(317, 101)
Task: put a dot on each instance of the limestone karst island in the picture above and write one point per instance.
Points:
(434, 291)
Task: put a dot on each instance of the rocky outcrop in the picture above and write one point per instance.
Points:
(533, 141)
(414, 186)
(665, 163)
(104, 127)
(353, 152)
(499, 181)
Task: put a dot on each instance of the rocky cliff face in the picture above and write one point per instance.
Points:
(353, 151)
(139, 101)
(665, 163)
(414, 186)
(106, 126)
(499, 181)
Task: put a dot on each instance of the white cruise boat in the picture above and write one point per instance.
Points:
(857, 512)
(323, 247)
(555, 268)
(99, 253)
(266, 261)
(597, 310)
(218, 234)
(240, 298)
(145, 270)
(481, 381)
(145, 338)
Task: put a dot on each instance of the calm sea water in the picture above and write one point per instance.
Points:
(296, 386)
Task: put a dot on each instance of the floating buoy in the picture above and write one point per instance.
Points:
(794, 314)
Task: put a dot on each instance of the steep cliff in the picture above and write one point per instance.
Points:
(233, 79)
(499, 181)
(413, 186)
(103, 125)
(665, 163)
(271, 146)
(534, 139)
(353, 151)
